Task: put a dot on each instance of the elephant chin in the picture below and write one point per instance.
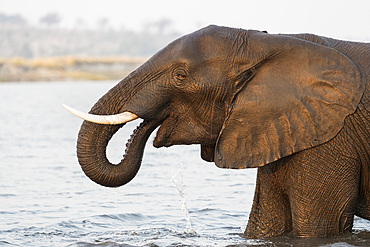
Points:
(208, 152)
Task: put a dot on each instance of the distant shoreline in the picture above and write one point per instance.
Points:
(67, 68)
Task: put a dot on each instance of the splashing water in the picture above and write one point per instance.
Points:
(179, 184)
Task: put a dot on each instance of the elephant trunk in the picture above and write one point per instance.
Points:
(91, 151)
(93, 140)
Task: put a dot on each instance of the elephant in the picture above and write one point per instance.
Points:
(294, 106)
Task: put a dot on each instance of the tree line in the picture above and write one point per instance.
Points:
(18, 38)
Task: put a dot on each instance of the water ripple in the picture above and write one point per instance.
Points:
(46, 200)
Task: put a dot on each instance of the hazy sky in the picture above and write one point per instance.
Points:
(343, 19)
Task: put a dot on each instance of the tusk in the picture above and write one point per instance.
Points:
(103, 119)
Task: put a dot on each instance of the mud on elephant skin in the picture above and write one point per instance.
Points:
(295, 106)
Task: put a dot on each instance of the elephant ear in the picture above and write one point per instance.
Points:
(296, 100)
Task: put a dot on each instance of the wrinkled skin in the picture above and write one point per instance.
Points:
(295, 106)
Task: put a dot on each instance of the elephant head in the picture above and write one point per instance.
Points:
(247, 97)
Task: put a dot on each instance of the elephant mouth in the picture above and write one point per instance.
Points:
(173, 131)
(163, 136)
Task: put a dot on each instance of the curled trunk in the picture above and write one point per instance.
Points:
(93, 139)
(91, 151)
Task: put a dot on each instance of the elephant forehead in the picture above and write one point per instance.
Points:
(195, 46)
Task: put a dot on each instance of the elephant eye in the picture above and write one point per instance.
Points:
(180, 76)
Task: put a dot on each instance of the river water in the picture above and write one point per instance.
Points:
(175, 200)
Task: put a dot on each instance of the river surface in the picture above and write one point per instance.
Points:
(175, 200)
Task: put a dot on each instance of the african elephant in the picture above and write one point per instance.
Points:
(295, 106)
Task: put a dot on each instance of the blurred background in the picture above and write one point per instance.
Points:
(104, 40)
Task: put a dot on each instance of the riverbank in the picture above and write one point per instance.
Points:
(67, 68)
